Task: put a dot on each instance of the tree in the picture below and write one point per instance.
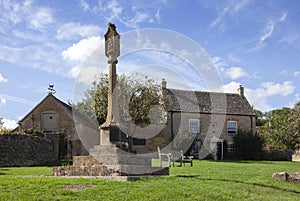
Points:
(249, 146)
(136, 96)
(295, 122)
(5, 131)
(261, 117)
(277, 131)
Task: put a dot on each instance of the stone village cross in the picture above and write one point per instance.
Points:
(107, 159)
(112, 51)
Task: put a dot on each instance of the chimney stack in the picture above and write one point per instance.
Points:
(163, 84)
(241, 90)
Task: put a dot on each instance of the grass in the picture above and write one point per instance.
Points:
(207, 180)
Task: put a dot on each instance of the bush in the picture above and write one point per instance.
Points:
(249, 146)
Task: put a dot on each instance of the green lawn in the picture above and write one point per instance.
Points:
(207, 180)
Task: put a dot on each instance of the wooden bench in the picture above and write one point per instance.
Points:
(179, 157)
(162, 155)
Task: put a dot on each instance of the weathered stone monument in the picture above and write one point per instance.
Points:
(110, 158)
(110, 129)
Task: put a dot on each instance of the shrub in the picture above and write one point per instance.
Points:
(249, 146)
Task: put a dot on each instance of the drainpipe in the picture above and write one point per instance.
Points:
(251, 120)
(172, 134)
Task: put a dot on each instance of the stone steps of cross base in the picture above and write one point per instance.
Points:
(124, 159)
(106, 150)
(85, 161)
(134, 170)
(112, 170)
(95, 170)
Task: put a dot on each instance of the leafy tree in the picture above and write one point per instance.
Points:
(277, 131)
(5, 131)
(136, 97)
(295, 121)
(249, 146)
(142, 100)
(261, 117)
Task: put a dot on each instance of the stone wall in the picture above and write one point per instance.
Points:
(275, 155)
(27, 150)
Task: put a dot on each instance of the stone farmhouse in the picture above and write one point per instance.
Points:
(53, 115)
(211, 118)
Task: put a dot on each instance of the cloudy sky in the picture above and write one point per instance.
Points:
(253, 43)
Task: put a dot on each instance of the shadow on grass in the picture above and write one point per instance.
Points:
(245, 161)
(244, 182)
(187, 175)
(2, 171)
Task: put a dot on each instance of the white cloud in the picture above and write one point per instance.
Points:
(219, 63)
(2, 79)
(231, 87)
(41, 18)
(11, 12)
(290, 39)
(84, 5)
(157, 15)
(233, 58)
(80, 51)
(2, 101)
(74, 30)
(284, 89)
(23, 46)
(129, 13)
(288, 73)
(260, 45)
(283, 17)
(9, 123)
(86, 75)
(18, 12)
(268, 31)
(235, 73)
(270, 27)
(75, 71)
(259, 96)
(284, 72)
(294, 101)
(231, 8)
(17, 99)
(296, 74)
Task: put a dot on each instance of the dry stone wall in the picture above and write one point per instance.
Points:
(27, 150)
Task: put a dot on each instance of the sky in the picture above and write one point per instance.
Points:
(251, 43)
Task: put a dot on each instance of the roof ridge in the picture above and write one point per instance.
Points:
(203, 91)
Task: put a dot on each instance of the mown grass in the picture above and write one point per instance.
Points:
(207, 180)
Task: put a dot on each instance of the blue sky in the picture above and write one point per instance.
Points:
(253, 43)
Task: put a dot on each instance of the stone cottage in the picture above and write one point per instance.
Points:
(211, 118)
(53, 115)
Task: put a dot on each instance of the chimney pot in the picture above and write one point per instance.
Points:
(241, 90)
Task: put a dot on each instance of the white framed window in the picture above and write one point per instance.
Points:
(194, 125)
(232, 127)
